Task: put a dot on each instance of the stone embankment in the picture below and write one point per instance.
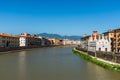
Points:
(101, 62)
(22, 48)
(32, 47)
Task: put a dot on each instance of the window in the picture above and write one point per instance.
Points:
(99, 49)
(106, 49)
(3, 41)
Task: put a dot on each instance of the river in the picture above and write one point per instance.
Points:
(58, 63)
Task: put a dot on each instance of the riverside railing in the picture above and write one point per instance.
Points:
(110, 56)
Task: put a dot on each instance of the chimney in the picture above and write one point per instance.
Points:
(95, 31)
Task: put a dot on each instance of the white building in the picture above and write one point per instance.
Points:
(27, 40)
(103, 44)
(99, 43)
(76, 42)
(23, 41)
(71, 42)
(67, 42)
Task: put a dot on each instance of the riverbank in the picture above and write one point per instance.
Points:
(103, 63)
(6, 50)
(22, 48)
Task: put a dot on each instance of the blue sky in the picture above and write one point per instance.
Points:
(65, 17)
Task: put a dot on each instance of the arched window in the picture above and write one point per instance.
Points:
(99, 49)
(106, 49)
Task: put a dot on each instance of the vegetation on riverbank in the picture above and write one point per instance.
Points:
(106, 65)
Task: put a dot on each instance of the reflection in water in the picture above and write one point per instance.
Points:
(22, 65)
(99, 73)
(51, 64)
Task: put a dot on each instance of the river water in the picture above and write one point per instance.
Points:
(58, 63)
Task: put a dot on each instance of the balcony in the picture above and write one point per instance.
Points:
(118, 35)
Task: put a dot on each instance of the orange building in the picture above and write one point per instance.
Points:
(114, 36)
(55, 41)
(116, 42)
(8, 41)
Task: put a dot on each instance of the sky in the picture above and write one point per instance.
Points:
(65, 17)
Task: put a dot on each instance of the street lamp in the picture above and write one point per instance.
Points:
(95, 51)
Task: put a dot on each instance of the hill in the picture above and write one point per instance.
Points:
(59, 36)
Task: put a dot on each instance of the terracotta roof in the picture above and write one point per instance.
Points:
(8, 35)
(109, 31)
(116, 29)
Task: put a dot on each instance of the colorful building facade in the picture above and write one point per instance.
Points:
(99, 42)
(8, 41)
(28, 40)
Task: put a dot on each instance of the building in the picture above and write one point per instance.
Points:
(8, 41)
(71, 42)
(42, 40)
(77, 42)
(114, 36)
(56, 41)
(28, 40)
(84, 41)
(110, 35)
(45, 41)
(67, 42)
(99, 42)
(116, 40)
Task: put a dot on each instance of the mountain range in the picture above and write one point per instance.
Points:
(59, 36)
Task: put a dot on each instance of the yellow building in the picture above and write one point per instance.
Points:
(55, 41)
(117, 40)
(114, 36)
